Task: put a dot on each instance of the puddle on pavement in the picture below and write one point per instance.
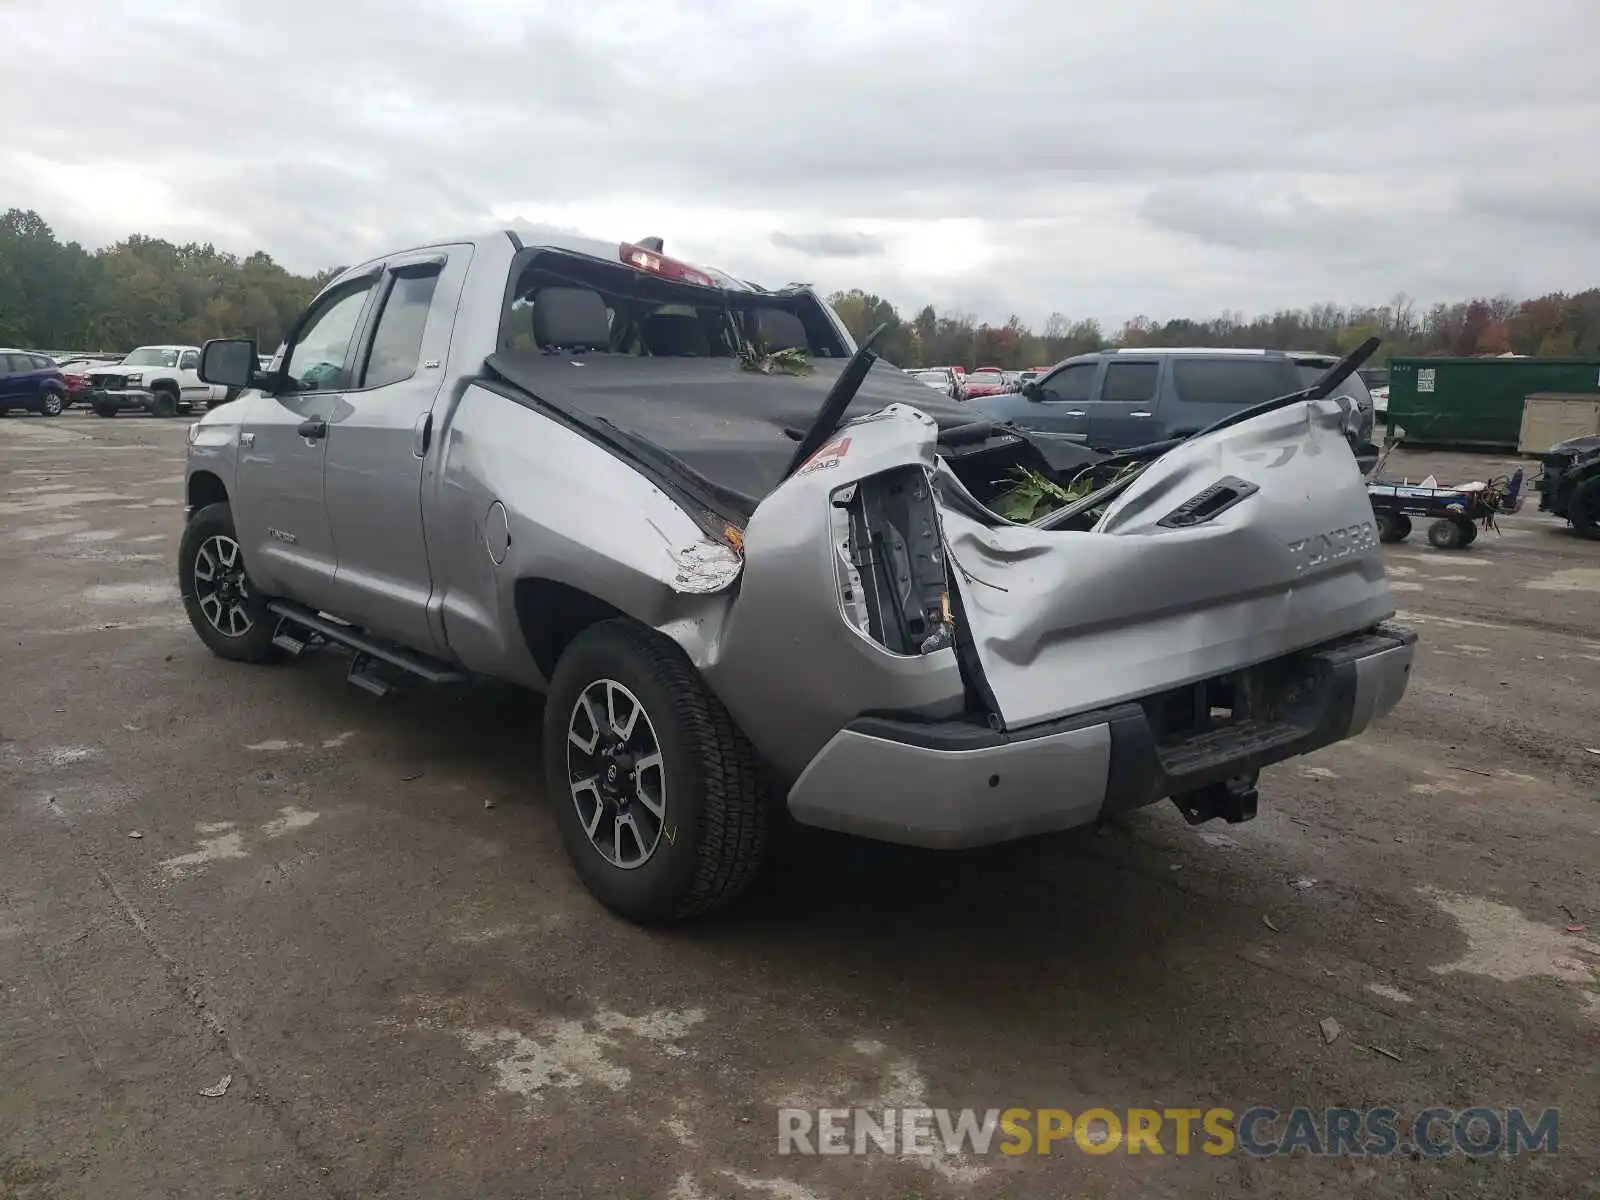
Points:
(1574, 579)
(58, 500)
(163, 592)
(40, 533)
(1503, 944)
(218, 841)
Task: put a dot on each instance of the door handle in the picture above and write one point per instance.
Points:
(1141, 414)
(1073, 412)
(422, 435)
(313, 428)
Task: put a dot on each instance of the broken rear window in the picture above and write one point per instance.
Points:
(562, 302)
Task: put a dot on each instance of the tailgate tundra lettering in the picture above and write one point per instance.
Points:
(1333, 545)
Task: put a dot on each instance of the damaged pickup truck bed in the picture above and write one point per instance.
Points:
(752, 570)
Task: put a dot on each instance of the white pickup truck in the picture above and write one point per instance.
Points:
(163, 380)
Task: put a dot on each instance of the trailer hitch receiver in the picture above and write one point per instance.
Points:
(1232, 799)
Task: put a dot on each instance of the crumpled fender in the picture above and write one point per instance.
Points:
(789, 667)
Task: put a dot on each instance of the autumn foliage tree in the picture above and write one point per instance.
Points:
(61, 296)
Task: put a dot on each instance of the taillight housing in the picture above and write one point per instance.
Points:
(889, 562)
(659, 264)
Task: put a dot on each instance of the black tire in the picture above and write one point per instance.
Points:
(1393, 527)
(201, 536)
(51, 404)
(1469, 533)
(716, 819)
(164, 403)
(104, 410)
(1583, 509)
(1446, 534)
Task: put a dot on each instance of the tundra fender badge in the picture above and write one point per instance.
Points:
(1335, 544)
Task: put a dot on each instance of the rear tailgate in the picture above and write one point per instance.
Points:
(1286, 558)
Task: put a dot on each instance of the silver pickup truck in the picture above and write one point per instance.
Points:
(756, 571)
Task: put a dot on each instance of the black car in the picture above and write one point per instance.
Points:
(1569, 485)
(31, 382)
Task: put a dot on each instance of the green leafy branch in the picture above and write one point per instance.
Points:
(1033, 495)
(789, 361)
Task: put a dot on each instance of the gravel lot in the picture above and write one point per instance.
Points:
(359, 910)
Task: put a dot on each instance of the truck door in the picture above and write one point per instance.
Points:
(190, 389)
(378, 445)
(12, 378)
(280, 513)
(1124, 415)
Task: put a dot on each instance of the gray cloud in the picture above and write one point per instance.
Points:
(840, 244)
(1153, 156)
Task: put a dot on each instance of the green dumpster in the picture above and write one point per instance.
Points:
(1476, 403)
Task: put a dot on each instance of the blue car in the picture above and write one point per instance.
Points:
(31, 382)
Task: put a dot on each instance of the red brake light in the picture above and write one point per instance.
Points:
(660, 264)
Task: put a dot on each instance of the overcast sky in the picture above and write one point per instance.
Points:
(1165, 157)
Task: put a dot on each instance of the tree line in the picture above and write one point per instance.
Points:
(61, 296)
(1552, 326)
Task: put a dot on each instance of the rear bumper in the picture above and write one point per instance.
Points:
(949, 785)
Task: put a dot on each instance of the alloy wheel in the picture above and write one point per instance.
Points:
(617, 774)
(221, 587)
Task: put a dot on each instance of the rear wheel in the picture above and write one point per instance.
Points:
(104, 410)
(225, 607)
(1446, 534)
(1469, 533)
(165, 403)
(1393, 527)
(50, 405)
(1583, 510)
(657, 792)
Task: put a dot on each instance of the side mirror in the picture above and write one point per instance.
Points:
(1032, 390)
(230, 362)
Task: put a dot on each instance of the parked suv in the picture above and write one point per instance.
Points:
(31, 382)
(1115, 399)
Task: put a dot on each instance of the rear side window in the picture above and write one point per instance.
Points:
(1355, 387)
(19, 362)
(397, 344)
(1130, 382)
(1233, 381)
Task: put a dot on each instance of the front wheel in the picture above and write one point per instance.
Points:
(225, 607)
(657, 792)
(164, 404)
(104, 410)
(1447, 534)
(1583, 510)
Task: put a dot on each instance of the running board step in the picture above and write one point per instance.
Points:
(409, 661)
(365, 674)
